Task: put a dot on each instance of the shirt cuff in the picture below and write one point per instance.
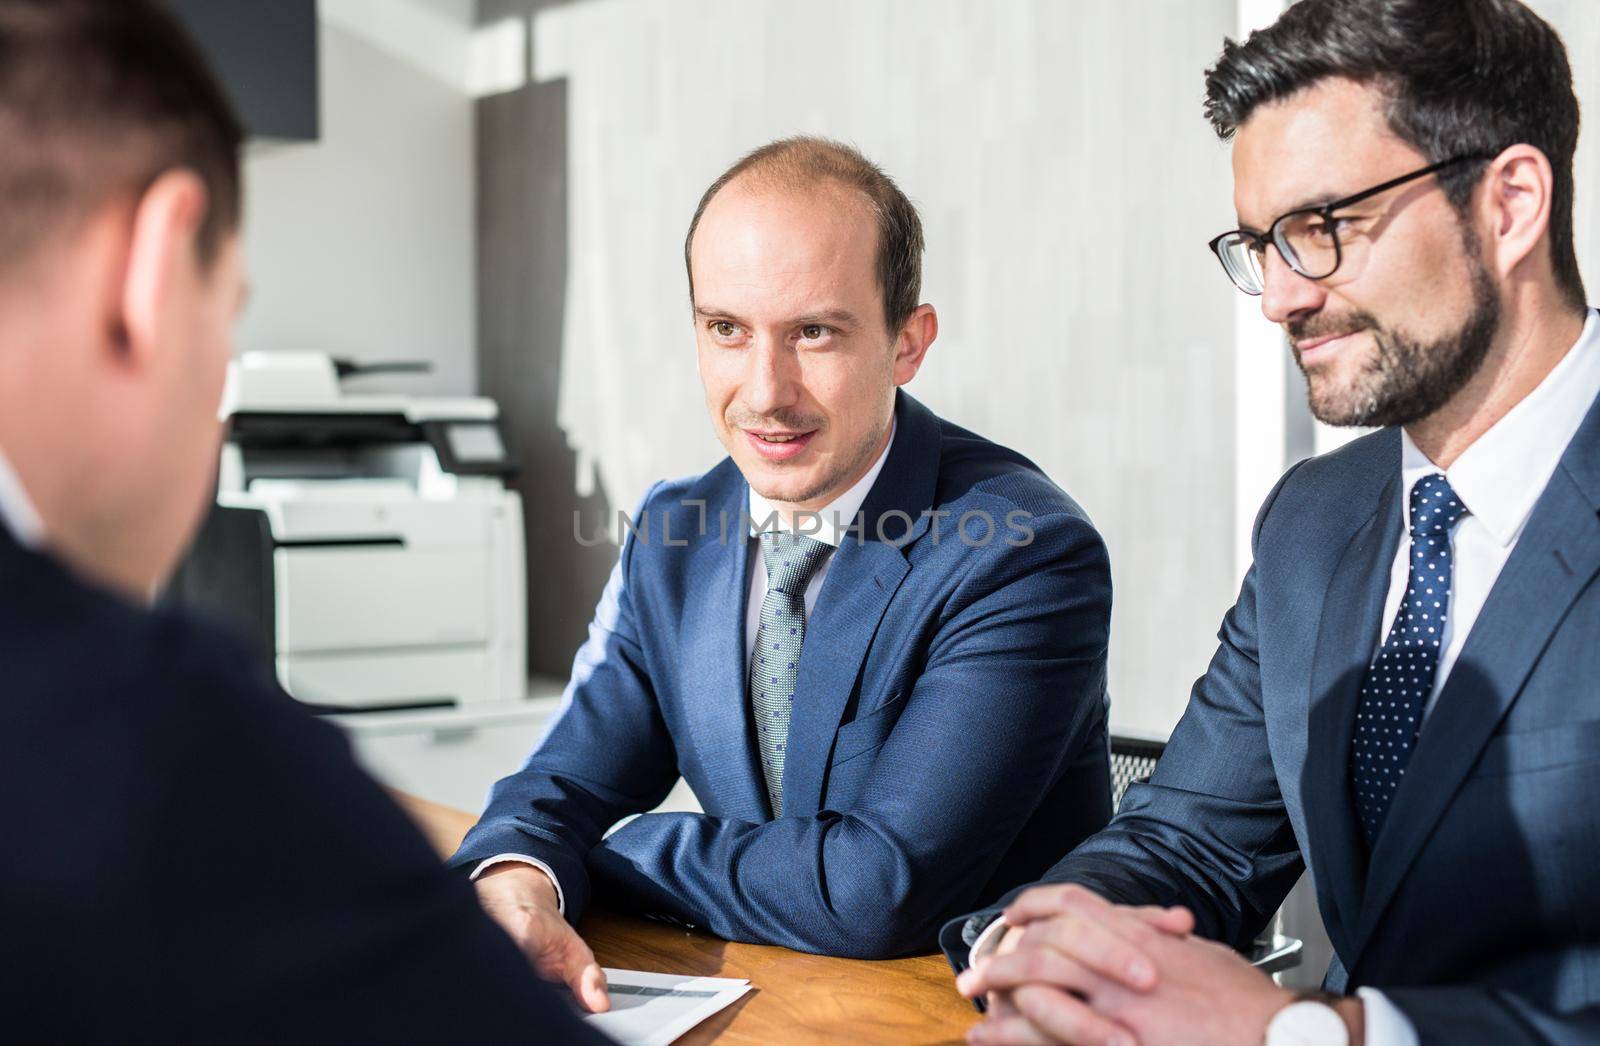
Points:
(561, 899)
(987, 941)
(1385, 1024)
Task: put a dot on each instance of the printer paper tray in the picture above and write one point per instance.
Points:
(393, 679)
(380, 598)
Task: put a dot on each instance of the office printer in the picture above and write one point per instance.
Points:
(367, 542)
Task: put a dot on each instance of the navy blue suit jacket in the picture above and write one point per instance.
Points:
(190, 857)
(1478, 908)
(948, 728)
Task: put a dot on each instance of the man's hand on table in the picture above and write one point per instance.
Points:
(1075, 968)
(522, 899)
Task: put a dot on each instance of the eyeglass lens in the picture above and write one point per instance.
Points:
(1307, 242)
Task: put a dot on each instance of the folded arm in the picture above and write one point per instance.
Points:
(1209, 831)
(1012, 687)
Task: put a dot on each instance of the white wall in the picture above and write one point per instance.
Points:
(1068, 184)
(1050, 146)
(361, 244)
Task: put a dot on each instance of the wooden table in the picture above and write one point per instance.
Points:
(795, 998)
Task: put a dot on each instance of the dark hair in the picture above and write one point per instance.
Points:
(804, 162)
(98, 98)
(1460, 77)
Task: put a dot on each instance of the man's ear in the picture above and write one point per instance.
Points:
(162, 256)
(911, 346)
(1518, 186)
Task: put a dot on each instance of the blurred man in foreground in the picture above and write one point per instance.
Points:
(190, 857)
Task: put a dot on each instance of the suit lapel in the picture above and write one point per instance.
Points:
(860, 584)
(1555, 559)
(719, 709)
(1346, 639)
(862, 579)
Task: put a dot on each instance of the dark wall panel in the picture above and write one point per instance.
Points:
(266, 52)
(522, 282)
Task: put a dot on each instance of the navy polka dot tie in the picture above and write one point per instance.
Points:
(791, 560)
(1395, 691)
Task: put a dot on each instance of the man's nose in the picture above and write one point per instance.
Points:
(1285, 293)
(773, 379)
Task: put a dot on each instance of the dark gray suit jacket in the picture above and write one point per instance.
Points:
(1478, 909)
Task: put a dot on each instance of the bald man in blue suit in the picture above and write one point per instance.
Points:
(891, 700)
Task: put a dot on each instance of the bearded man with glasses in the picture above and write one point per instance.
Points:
(1402, 701)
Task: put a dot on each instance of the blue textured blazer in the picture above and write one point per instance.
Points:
(190, 857)
(948, 730)
(1478, 909)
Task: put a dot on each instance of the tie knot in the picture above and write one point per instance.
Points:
(1434, 506)
(791, 559)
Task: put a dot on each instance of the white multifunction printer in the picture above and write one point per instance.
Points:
(367, 541)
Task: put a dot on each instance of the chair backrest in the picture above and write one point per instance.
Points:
(1132, 759)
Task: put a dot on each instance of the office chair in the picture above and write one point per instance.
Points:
(1133, 760)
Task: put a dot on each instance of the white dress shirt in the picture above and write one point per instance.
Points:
(1499, 479)
(17, 513)
(828, 526)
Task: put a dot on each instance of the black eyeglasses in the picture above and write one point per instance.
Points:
(1307, 239)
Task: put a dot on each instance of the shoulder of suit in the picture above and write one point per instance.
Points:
(1368, 462)
(85, 655)
(974, 470)
(1339, 489)
(123, 725)
(709, 486)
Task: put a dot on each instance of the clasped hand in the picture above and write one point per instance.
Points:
(1075, 968)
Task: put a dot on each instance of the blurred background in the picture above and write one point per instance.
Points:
(501, 188)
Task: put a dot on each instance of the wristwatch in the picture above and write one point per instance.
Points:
(982, 935)
(987, 941)
(1308, 1021)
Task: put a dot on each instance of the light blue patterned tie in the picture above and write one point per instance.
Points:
(1397, 685)
(791, 560)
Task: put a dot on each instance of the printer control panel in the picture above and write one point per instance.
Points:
(469, 448)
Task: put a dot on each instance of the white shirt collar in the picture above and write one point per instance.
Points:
(1501, 475)
(837, 517)
(17, 513)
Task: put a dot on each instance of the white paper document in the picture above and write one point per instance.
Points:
(653, 1009)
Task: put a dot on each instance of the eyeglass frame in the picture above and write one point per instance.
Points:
(1269, 238)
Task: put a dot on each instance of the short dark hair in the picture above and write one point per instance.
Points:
(98, 98)
(1460, 77)
(806, 162)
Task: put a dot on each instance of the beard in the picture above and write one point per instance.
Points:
(1408, 379)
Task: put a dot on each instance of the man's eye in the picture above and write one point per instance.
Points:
(813, 332)
(724, 329)
(1324, 229)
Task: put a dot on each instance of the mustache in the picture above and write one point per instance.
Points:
(1324, 326)
(791, 421)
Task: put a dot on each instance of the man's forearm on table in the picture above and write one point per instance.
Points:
(504, 859)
